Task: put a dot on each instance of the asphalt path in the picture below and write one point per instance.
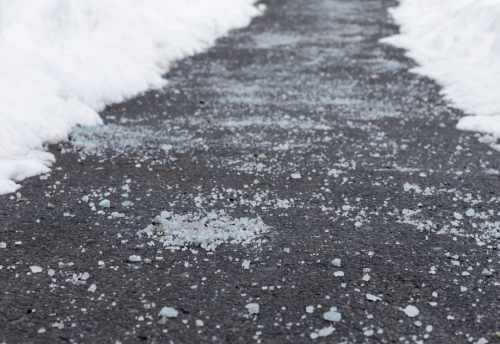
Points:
(353, 164)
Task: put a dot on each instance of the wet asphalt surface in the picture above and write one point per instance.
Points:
(306, 90)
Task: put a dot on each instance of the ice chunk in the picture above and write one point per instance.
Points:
(199, 323)
(326, 331)
(134, 258)
(35, 269)
(165, 215)
(332, 316)
(336, 262)
(168, 312)
(3, 245)
(487, 272)
(253, 308)
(85, 276)
(246, 264)
(296, 176)
(85, 198)
(457, 216)
(470, 212)
(372, 297)
(309, 309)
(92, 288)
(166, 147)
(105, 203)
(411, 311)
(366, 278)
(338, 273)
(51, 272)
(313, 335)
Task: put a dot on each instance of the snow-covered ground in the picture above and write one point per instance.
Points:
(63, 61)
(457, 43)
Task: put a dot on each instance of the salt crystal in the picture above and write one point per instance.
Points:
(134, 258)
(326, 331)
(168, 312)
(105, 203)
(372, 297)
(368, 333)
(310, 309)
(457, 216)
(470, 212)
(411, 311)
(253, 308)
(92, 288)
(336, 262)
(35, 269)
(332, 316)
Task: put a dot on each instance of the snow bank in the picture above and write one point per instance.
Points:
(63, 60)
(456, 42)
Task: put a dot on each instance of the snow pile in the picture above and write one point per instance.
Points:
(456, 42)
(62, 61)
(208, 232)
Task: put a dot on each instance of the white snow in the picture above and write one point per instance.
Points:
(457, 43)
(63, 61)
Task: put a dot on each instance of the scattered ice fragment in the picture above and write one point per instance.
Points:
(309, 309)
(35, 269)
(410, 311)
(253, 308)
(168, 312)
(246, 264)
(85, 198)
(51, 272)
(199, 323)
(366, 278)
(256, 181)
(296, 176)
(336, 262)
(457, 216)
(313, 335)
(418, 323)
(428, 328)
(205, 230)
(368, 333)
(463, 289)
(100, 262)
(332, 316)
(470, 212)
(286, 250)
(85, 276)
(166, 147)
(134, 258)
(41, 330)
(105, 203)
(92, 288)
(422, 174)
(3, 245)
(165, 215)
(372, 297)
(326, 331)
(338, 273)
(408, 187)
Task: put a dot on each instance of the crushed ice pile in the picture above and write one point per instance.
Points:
(207, 231)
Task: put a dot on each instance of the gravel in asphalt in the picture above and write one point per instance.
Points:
(334, 179)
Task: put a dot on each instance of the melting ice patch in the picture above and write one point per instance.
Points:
(207, 231)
